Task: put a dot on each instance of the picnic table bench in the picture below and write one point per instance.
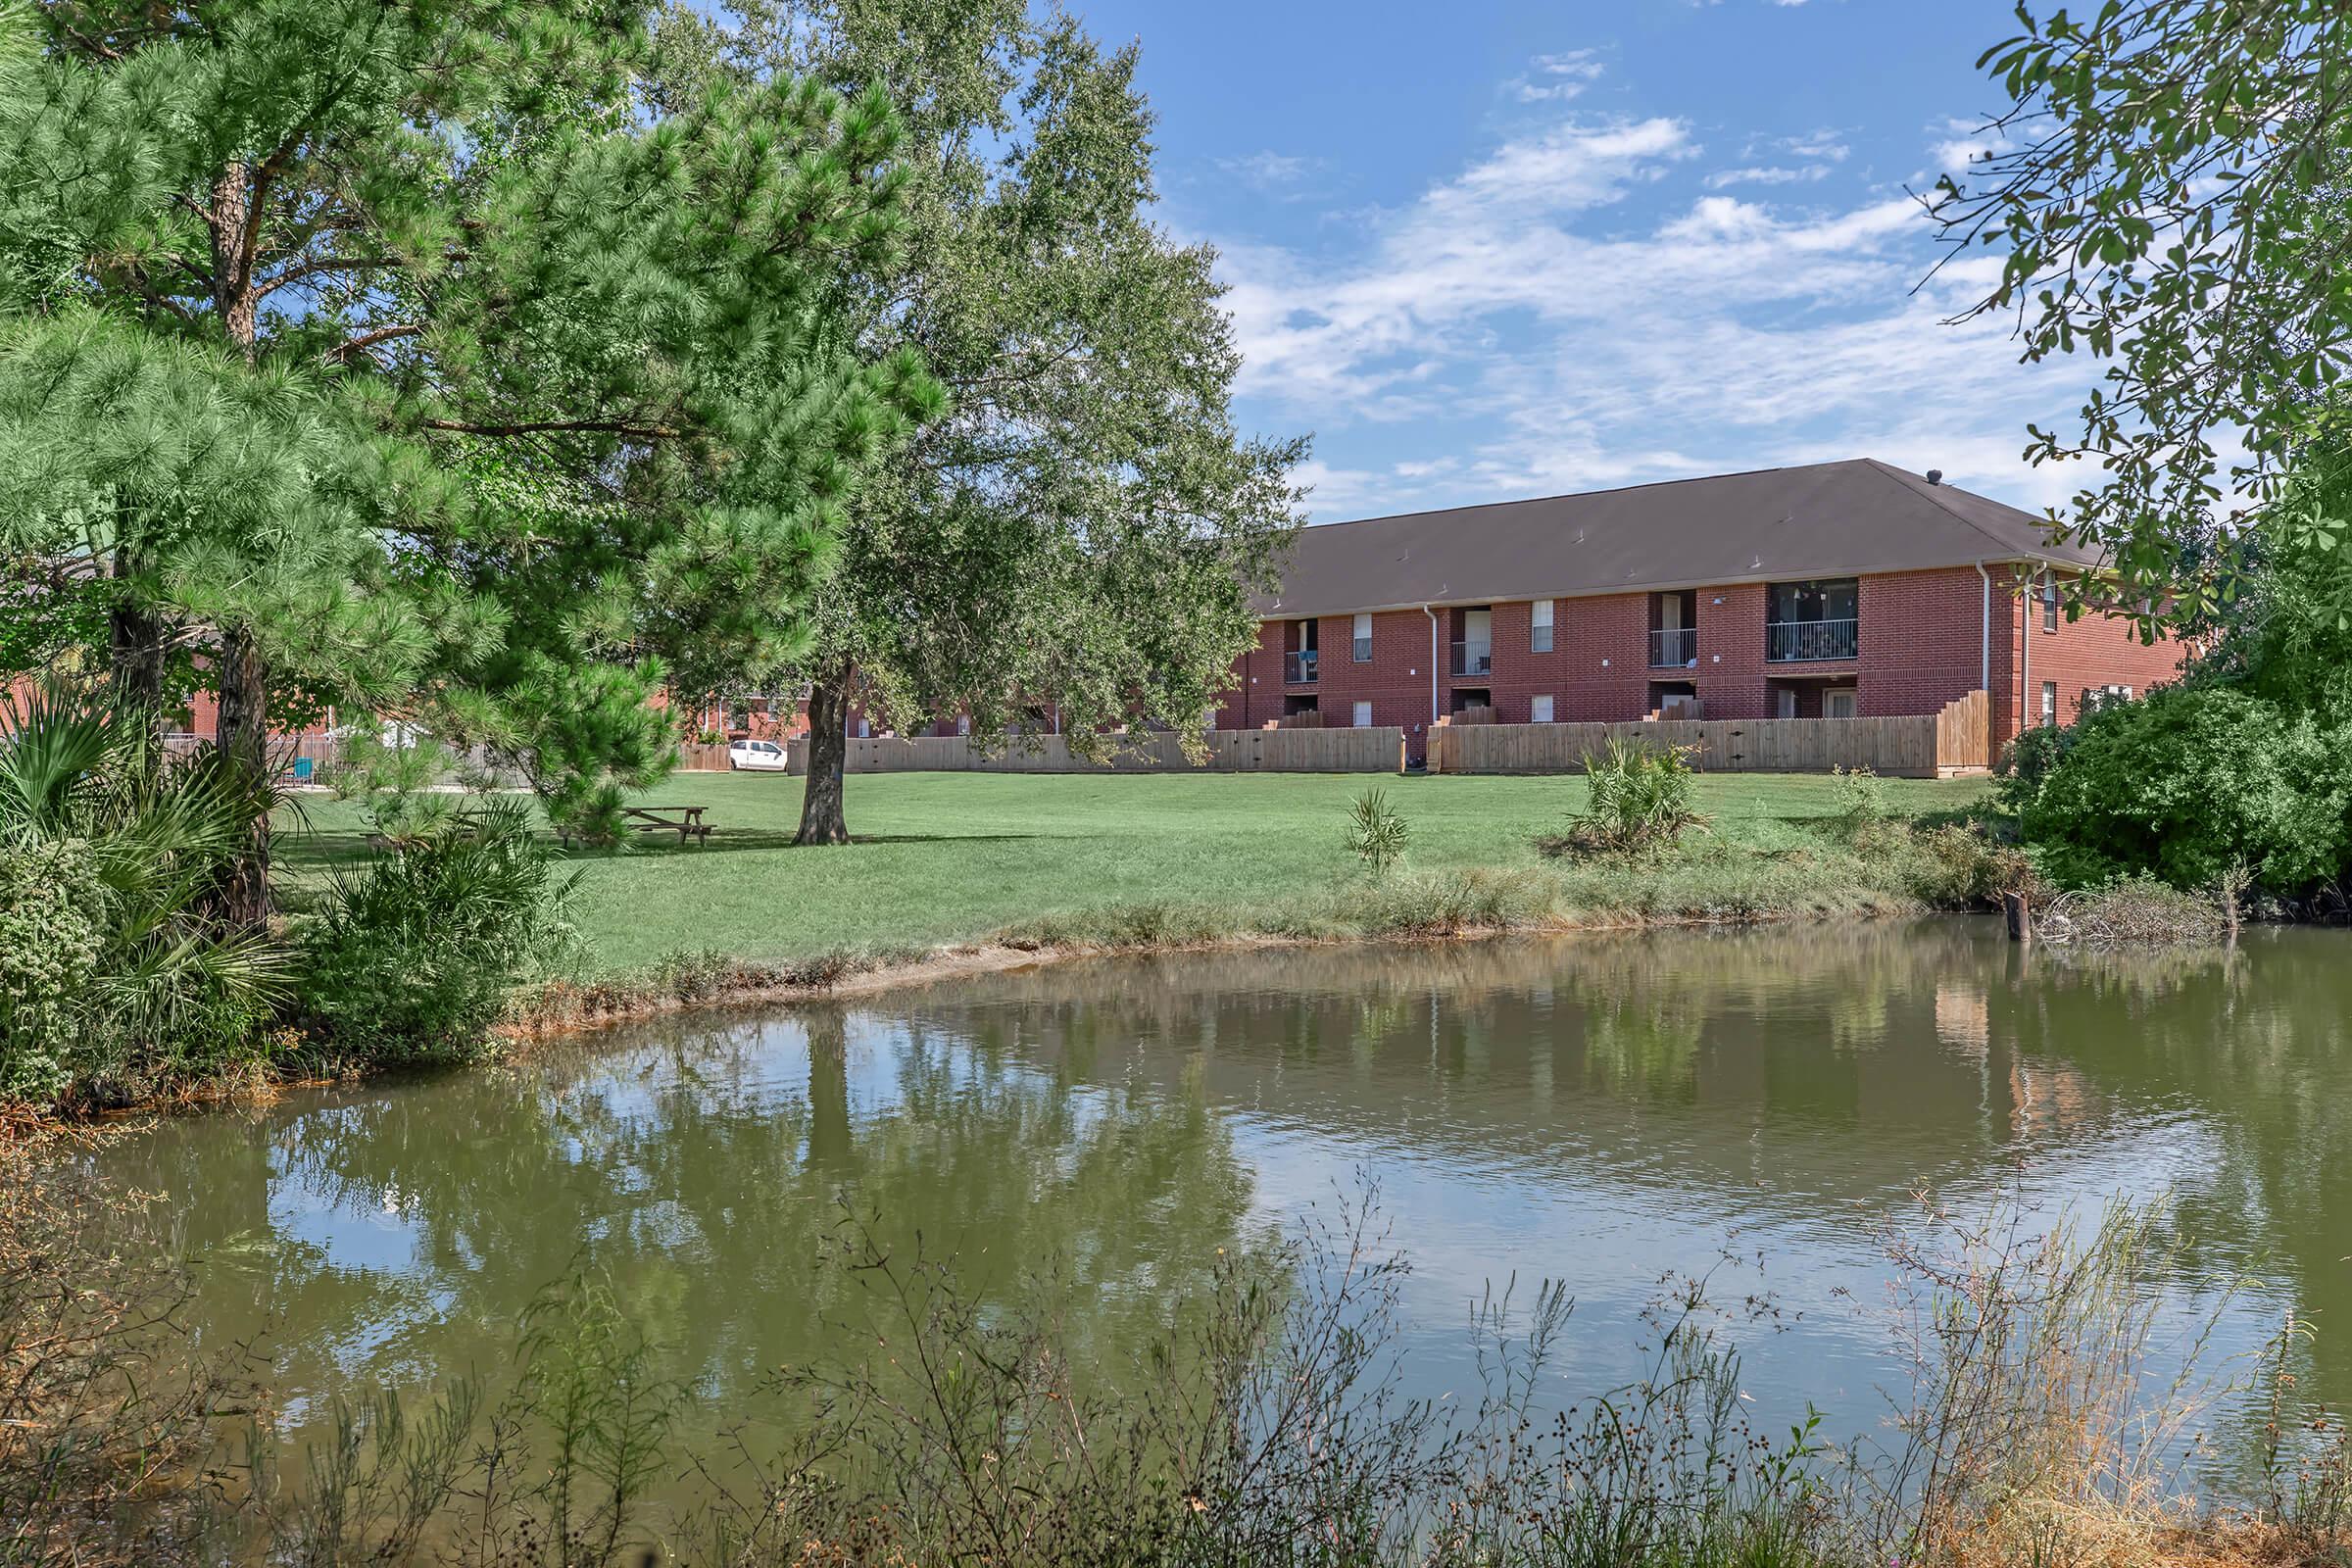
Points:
(687, 819)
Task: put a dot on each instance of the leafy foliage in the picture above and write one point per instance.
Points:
(413, 960)
(1077, 538)
(394, 779)
(395, 354)
(1640, 797)
(2169, 189)
(1376, 831)
(2188, 782)
(110, 853)
(2249, 758)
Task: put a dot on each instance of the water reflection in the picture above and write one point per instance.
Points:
(1606, 1109)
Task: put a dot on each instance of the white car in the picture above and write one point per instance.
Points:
(764, 756)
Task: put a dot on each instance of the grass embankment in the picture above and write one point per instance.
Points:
(945, 859)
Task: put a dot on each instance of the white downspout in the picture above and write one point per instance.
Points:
(1984, 637)
(2026, 716)
(1433, 661)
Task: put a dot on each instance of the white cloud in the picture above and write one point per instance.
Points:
(1767, 175)
(1514, 332)
(1269, 170)
(1556, 77)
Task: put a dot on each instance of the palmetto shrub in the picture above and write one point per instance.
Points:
(113, 967)
(1640, 798)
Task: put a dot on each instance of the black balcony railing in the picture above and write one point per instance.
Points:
(1299, 669)
(1790, 641)
(1673, 647)
(1473, 658)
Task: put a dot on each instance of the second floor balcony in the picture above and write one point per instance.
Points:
(1473, 659)
(1299, 669)
(1673, 647)
(1796, 642)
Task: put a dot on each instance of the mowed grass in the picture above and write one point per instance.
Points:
(947, 857)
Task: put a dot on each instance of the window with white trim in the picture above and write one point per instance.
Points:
(1539, 629)
(1363, 715)
(2049, 704)
(1363, 638)
(2049, 601)
(1539, 708)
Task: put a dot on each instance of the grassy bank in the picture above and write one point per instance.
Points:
(945, 857)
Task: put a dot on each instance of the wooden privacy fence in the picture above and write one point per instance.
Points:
(1246, 751)
(1916, 745)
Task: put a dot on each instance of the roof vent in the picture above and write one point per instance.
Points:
(1934, 476)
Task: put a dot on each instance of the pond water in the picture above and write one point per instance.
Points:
(1613, 1111)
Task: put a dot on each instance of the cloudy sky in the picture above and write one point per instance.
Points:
(1485, 251)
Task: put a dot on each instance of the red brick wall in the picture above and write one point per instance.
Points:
(1919, 644)
(1922, 640)
(2093, 652)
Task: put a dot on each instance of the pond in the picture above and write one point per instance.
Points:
(1616, 1112)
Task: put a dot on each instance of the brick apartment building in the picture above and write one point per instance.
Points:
(1850, 589)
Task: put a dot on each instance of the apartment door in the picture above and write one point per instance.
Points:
(1838, 702)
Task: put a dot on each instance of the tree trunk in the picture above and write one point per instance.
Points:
(134, 642)
(242, 731)
(828, 757)
(242, 738)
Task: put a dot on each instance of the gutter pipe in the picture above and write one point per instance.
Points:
(1984, 637)
(1433, 661)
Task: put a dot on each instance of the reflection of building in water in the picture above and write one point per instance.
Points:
(1963, 1016)
(2049, 1096)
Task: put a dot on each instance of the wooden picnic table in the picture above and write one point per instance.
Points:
(687, 819)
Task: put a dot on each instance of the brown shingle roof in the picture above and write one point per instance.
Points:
(1821, 519)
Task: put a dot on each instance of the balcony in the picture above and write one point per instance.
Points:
(1473, 658)
(1797, 642)
(1298, 669)
(1673, 647)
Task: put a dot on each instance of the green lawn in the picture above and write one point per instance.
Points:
(950, 857)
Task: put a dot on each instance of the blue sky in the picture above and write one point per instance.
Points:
(1485, 251)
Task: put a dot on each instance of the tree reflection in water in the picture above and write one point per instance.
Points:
(1606, 1108)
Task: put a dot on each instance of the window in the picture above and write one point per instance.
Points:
(1835, 598)
(2049, 601)
(1539, 635)
(964, 724)
(1363, 638)
(1538, 711)
(865, 728)
(2049, 704)
(1363, 715)
(1840, 702)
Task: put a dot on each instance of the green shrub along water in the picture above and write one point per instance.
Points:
(118, 981)
(414, 957)
(114, 971)
(2243, 770)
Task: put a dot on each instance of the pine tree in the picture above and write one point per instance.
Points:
(467, 391)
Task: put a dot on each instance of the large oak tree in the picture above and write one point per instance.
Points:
(1073, 544)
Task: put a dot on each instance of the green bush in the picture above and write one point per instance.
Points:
(108, 840)
(52, 936)
(1376, 831)
(1640, 796)
(1863, 806)
(2188, 783)
(413, 959)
